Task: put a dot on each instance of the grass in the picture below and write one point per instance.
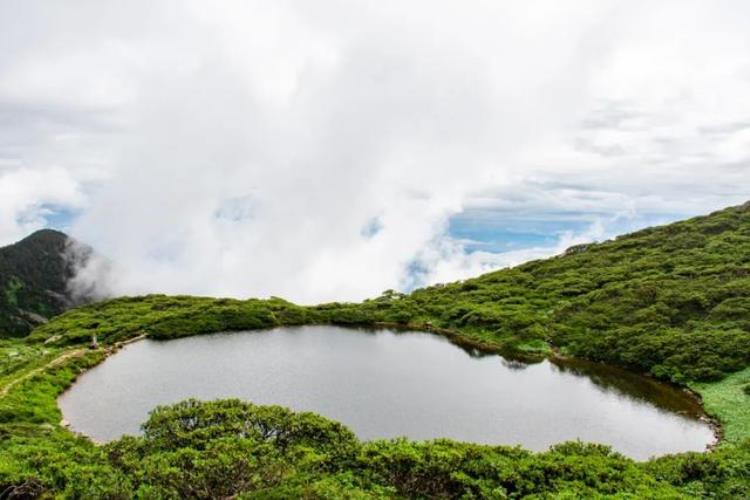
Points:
(728, 401)
(534, 346)
(17, 357)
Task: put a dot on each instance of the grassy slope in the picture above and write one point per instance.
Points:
(672, 300)
(729, 400)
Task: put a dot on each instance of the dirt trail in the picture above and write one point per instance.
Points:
(60, 359)
(52, 363)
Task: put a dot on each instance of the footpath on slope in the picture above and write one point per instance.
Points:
(51, 364)
(61, 359)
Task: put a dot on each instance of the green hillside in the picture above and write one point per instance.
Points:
(673, 301)
(34, 275)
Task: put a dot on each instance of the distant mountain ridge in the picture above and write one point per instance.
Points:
(35, 274)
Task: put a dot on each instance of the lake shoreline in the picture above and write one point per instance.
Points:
(464, 340)
(579, 369)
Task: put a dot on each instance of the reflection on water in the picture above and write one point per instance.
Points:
(632, 385)
(514, 364)
(385, 384)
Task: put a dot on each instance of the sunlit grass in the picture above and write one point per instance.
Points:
(729, 401)
(534, 346)
(17, 356)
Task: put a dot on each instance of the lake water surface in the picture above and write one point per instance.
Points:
(385, 384)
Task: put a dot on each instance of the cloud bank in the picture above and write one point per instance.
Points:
(318, 150)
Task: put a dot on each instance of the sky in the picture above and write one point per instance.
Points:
(331, 150)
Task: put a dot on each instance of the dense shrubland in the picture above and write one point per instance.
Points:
(165, 317)
(673, 301)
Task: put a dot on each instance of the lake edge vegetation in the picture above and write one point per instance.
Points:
(670, 301)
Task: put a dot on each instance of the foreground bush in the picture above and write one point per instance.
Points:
(229, 448)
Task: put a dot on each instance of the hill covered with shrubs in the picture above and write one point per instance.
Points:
(673, 301)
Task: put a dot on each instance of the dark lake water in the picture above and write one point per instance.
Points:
(384, 384)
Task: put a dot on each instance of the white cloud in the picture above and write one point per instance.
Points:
(446, 259)
(28, 195)
(245, 148)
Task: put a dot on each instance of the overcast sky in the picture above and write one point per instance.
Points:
(329, 150)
